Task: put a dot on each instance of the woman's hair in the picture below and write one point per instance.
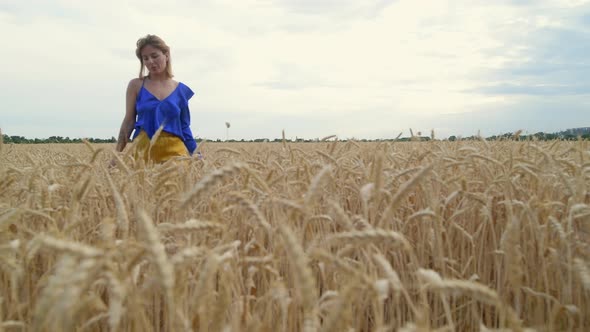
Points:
(158, 43)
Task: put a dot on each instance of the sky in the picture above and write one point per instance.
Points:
(313, 68)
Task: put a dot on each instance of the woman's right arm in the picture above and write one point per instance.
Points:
(130, 113)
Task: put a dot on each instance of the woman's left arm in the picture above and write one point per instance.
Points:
(187, 134)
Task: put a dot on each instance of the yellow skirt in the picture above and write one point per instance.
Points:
(167, 146)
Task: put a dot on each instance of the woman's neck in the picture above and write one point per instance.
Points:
(158, 77)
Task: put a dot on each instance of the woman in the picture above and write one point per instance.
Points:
(157, 101)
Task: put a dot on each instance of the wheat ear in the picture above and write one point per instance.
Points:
(190, 225)
(371, 235)
(209, 181)
(304, 276)
(315, 185)
(157, 251)
(122, 218)
(401, 193)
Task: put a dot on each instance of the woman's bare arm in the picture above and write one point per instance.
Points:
(130, 113)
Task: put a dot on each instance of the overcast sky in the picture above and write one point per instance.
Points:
(352, 68)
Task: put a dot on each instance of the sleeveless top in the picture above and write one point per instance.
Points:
(171, 112)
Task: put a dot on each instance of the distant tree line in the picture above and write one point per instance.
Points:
(312, 140)
(566, 135)
(52, 139)
(569, 135)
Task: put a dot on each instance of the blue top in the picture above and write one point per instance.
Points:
(172, 112)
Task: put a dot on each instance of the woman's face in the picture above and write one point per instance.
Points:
(153, 59)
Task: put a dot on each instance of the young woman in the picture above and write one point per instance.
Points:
(157, 101)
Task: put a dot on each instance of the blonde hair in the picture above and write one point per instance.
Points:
(158, 43)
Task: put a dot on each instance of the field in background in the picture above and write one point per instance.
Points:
(330, 236)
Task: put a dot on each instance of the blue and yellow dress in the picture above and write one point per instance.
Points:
(172, 112)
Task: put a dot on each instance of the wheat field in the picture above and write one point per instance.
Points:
(327, 236)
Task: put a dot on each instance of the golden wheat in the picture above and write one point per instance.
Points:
(326, 236)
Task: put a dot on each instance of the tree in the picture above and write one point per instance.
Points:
(17, 139)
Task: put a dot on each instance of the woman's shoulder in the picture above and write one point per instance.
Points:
(135, 84)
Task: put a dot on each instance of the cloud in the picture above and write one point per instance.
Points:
(25, 13)
(539, 90)
(293, 76)
(528, 114)
(336, 8)
(350, 68)
(541, 51)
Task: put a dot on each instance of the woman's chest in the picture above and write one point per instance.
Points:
(158, 109)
